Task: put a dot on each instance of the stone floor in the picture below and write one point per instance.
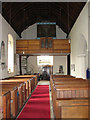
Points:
(45, 82)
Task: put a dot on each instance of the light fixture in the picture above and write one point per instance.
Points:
(69, 40)
(23, 52)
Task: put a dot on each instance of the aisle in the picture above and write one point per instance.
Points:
(38, 106)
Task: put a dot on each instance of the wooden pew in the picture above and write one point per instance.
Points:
(17, 84)
(28, 76)
(21, 84)
(23, 80)
(13, 100)
(72, 109)
(61, 76)
(74, 94)
(70, 81)
(65, 80)
(5, 99)
(5, 105)
(31, 81)
(16, 101)
(62, 93)
(71, 91)
(59, 81)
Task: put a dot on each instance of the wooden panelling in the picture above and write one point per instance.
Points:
(34, 46)
(62, 44)
(60, 41)
(21, 43)
(72, 109)
(21, 46)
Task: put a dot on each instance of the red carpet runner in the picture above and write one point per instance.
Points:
(38, 106)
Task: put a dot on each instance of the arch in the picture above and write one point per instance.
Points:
(81, 57)
(82, 45)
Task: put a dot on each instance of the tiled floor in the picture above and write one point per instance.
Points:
(45, 82)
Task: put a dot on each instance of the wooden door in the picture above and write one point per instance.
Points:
(46, 44)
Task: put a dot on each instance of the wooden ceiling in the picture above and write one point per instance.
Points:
(21, 15)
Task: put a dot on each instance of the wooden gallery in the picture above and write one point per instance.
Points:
(44, 60)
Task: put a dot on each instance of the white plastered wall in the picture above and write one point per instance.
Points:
(32, 64)
(31, 33)
(59, 33)
(89, 34)
(79, 44)
(7, 29)
(57, 61)
(0, 45)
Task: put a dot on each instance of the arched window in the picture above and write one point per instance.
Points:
(10, 54)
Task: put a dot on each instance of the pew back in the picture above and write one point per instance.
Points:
(70, 96)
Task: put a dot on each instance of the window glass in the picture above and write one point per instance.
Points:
(10, 54)
(45, 60)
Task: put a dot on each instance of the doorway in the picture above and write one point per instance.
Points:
(45, 63)
(46, 72)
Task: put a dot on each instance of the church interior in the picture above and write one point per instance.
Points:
(44, 60)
